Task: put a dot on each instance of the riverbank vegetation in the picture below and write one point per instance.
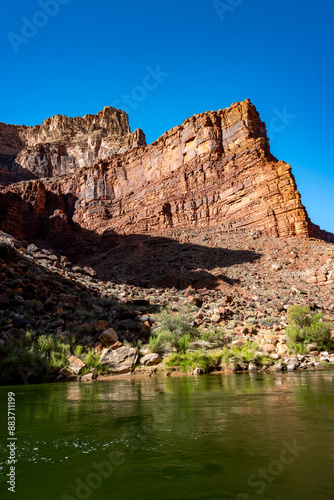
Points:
(178, 341)
(306, 326)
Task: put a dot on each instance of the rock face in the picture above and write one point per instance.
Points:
(63, 145)
(122, 360)
(215, 169)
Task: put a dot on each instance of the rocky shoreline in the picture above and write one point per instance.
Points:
(44, 297)
(155, 367)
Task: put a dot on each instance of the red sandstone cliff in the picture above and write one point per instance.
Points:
(215, 169)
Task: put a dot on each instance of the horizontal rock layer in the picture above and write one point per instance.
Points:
(63, 145)
(215, 169)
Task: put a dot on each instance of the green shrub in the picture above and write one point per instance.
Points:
(156, 343)
(91, 359)
(249, 352)
(44, 356)
(295, 334)
(191, 360)
(177, 322)
(298, 348)
(307, 326)
(84, 315)
(35, 305)
(214, 334)
(78, 350)
(320, 333)
(160, 340)
(300, 316)
(83, 330)
(246, 353)
(181, 342)
(173, 328)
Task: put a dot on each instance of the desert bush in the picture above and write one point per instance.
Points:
(177, 322)
(214, 334)
(173, 328)
(42, 357)
(308, 326)
(191, 360)
(83, 330)
(250, 351)
(298, 348)
(84, 315)
(320, 332)
(156, 343)
(35, 305)
(78, 350)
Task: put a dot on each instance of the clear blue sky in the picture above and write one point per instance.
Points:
(90, 54)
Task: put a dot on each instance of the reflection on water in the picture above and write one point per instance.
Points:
(185, 437)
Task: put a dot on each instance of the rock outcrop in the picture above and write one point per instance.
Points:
(215, 169)
(63, 145)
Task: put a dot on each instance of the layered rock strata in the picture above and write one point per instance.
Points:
(63, 145)
(215, 169)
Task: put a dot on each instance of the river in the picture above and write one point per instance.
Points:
(238, 437)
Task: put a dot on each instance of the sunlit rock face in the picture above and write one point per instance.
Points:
(63, 145)
(215, 169)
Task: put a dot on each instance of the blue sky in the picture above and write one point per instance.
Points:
(81, 55)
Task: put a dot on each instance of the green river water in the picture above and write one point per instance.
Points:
(213, 437)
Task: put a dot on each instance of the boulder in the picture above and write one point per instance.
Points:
(201, 344)
(122, 360)
(65, 372)
(76, 365)
(32, 248)
(100, 325)
(215, 318)
(312, 346)
(239, 343)
(196, 301)
(98, 347)
(127, 324)
(268, 348)
(238, 366)
(150, 359)
(116, 345)
(108, 337)
(282, 349)
(292, 364)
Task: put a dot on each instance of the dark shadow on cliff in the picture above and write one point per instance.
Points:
(159, 262)
(11, 172)
(136, 259)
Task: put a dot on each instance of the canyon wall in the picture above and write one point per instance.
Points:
(215, 169)
(63, 145)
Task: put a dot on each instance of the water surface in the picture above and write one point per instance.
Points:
(212, 437)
